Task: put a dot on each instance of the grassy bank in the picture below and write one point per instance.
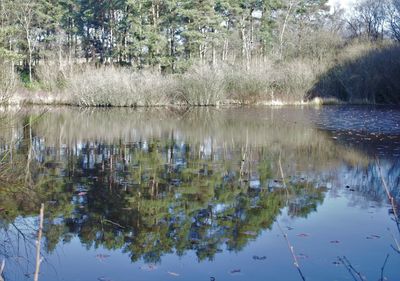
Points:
(357, 72)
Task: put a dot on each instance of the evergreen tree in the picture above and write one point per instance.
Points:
(166, 35)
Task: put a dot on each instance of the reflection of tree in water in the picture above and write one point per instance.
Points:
(169, 187)
(150, 198)
(159, 197)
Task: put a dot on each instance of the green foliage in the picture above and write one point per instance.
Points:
(163, 35)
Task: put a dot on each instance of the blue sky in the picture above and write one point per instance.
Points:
(344, 3)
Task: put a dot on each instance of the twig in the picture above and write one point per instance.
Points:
(291, 249)
(351, 268)
(39, 239)
(244, 156)
(283, 176)
(3, 264)
(383, 267)
(348, 268)
(397, 249)
(390, 197)
(114, 223)
(393, 203)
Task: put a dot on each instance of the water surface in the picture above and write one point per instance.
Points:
(200, 194)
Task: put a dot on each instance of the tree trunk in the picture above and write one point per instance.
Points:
(30, 59)
(284, 28)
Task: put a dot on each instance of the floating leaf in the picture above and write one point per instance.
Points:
(102, 257)
(373, 237)
(259, 258)
(302, 256)
(149, 267)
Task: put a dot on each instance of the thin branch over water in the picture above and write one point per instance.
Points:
(383, 267)
(291, 249)
(38, 243)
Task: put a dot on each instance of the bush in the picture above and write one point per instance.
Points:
(201, 85)
(8, 82)
(249, 87)
(117, 87)
(361, 72)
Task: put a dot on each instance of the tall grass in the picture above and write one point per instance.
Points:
(201, 85)
(123, 87)
(116, 87)
(359, 72)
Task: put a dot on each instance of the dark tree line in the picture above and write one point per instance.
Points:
(170, 34)
(164, 34)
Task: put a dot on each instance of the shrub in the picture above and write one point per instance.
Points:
(8, 82)
(201, 85)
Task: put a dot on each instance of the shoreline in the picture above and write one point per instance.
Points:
(222, 104)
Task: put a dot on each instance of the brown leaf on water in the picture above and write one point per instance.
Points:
(259, 258)
(235, 271)
(302, 256)
(102, 257)
(149, 267)
(373, 236)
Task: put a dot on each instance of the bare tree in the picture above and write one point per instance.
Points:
(368, 19)
(394, 18)
(26, 14)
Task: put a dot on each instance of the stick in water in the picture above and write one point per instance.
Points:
(383, 268)
(39, 239)
(291, 249)
(390, 197)
(3, 264)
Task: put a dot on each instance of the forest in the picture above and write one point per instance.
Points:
(208, 52)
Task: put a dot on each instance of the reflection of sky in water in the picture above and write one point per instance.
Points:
(336, 229)
(351, 219)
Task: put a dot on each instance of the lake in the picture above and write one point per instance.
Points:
(249, 193)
